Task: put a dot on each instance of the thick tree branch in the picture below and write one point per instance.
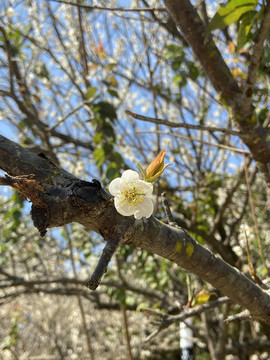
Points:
(87, 203)
(195, 32)
(16, 161)
(254, 135)
(255, 59)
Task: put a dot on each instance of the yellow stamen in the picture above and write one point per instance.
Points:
(132, 195)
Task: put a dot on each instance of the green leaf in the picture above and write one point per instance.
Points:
(118, 159)
(231, 13)
(193, 71)
(232, 4)
(98, 137)
(111, 65)
(90, 92)
(173, 52)
(205, 296)
(107, 131)
(142, 305)
(244, 28)
(176, 65)
(41, 71)
(111, 81)
(105, 110)
(108, 148)
(180, 80)
(113, 93)
(100, 156)
(130, 300)
(143, 173)
(112, 171)
(262, 115)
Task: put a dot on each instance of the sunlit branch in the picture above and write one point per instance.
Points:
(167, 210)
(167, 320)
(106, 8)
(181, 125)
(219, 218)
(59, 122)
(240, 151)
(243, 315)
(253, 213)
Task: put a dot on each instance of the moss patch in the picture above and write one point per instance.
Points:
(189, 249)
(178, 246)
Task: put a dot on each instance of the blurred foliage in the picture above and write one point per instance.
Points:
(131, 61)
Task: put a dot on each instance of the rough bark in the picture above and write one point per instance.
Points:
(62, 198)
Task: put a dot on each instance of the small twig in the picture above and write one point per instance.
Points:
(167, 210)
(9, 58)
(83, 51)
(107, 253)
(253, 214)
(182, 125)
(152, 335)
(127, 335)
(59, 122)
(252, 271)
(96, 7)
(222, 208)
(244, 315)
(208, 337)
(166, 320)
(221, 146)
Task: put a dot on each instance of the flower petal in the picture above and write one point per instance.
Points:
(147, 188)
(132, 196)
(144, 209)
(123, 207)
(114, 187)
(129, 175)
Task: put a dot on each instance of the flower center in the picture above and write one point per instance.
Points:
(132, 195)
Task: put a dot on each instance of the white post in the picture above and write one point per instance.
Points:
(186, 342)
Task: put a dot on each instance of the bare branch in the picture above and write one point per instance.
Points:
(9, 281)
(96, 7)
(243, 315)
(221, 146)
(166, 320)
(181, 125)
(107, 253)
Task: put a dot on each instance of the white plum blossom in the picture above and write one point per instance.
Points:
(132, 196)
